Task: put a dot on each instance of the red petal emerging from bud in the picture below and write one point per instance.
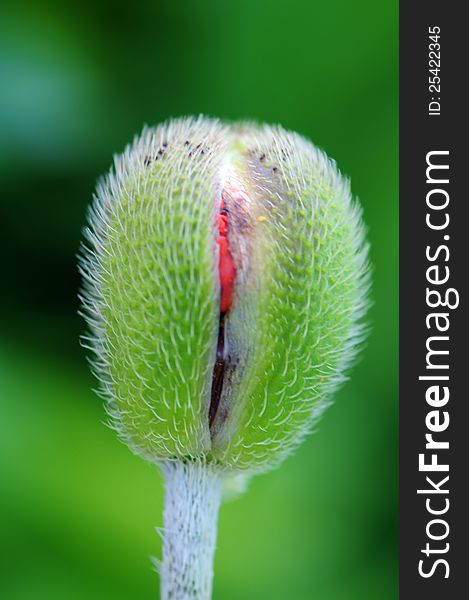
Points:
(226, 268)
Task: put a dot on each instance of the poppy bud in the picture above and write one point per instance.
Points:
(231, 245)
(225, 283)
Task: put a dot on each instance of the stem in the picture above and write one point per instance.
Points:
(192, 500)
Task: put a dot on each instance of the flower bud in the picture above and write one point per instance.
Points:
(226, 279)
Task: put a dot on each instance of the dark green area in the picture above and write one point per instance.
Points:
(77, 81)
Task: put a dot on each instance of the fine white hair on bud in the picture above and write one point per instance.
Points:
(225, 283)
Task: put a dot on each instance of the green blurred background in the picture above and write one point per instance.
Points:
(77, 81)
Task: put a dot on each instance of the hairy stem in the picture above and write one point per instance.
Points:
(192, 500)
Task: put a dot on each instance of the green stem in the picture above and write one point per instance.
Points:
(192, 501)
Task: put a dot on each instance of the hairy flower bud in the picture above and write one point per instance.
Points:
(225, 284)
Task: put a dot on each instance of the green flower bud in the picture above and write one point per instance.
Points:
(236, 388)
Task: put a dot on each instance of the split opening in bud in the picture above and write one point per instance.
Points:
(227, 275)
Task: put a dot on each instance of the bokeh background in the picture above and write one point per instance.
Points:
(77, 81)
